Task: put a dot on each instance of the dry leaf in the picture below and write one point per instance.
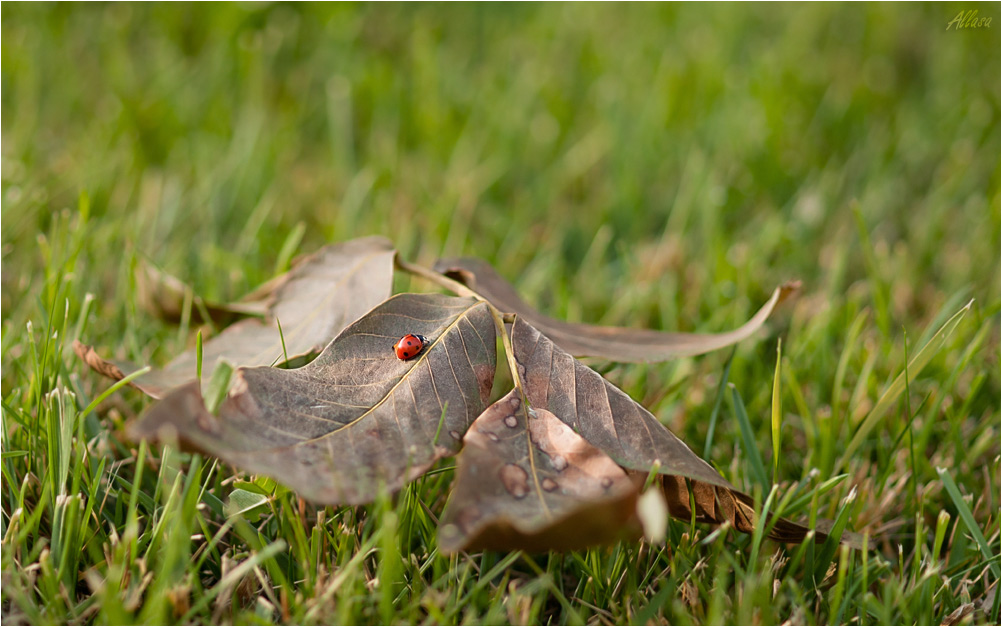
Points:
(614, 343)
(543, 475)
(166, 296)
(525, 480)
(355, 417)
(317, 299)
(609, 419)
(600, 412)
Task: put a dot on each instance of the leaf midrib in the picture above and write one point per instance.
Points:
(389, 393)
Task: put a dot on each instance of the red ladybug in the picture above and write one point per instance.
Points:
(409, 346)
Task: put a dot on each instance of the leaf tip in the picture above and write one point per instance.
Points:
(788, 289)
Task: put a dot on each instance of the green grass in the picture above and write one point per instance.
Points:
(663, 166)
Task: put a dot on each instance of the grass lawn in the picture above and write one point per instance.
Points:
(659, 166)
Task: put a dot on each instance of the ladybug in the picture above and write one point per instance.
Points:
(409, 346)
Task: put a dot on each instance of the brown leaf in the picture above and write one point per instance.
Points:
(613, 343)
(356, 416)
(167, 296)
(526, 481)
(316, 300)
(613, 422)
(715, 504)
(600, 412)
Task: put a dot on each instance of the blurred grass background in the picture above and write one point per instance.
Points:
(640, 165)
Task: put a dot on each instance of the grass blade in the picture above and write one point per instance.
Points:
(748, 438)
(777, 411)
(828, 550)
(234, 576)
(219, 385)
(891, 394)
(968, 518)
(708, 447)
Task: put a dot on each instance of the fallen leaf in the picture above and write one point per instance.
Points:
(609, 419)
(167, 297)
(613, 343)
(600, 412)
(317, 299)
(715, 504)
(525, 480)
(356, 416)
(539, 472)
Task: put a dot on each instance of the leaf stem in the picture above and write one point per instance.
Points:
(509, 352)
(500, 319)
(440, 279)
